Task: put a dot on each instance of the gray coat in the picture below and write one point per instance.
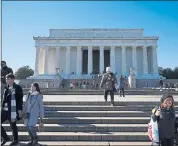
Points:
(109, 80)
(34, 105)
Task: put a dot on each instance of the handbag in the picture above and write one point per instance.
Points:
(41, 127)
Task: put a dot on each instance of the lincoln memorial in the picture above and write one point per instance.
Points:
(78, 52)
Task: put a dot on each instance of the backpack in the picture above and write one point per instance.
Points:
(153, 132)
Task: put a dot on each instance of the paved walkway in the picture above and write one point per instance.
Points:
(101, 98)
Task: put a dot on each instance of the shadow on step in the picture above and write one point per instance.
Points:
(25, 144)
(75, 124)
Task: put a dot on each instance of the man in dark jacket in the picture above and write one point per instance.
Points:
(4, 71)
(161, 84)
(109, 79)
(121, 86)
(11, 109)
(165, 116)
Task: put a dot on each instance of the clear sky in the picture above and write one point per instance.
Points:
(23, 20)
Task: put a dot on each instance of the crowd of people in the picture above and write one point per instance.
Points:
(12, 108)
(167, 85)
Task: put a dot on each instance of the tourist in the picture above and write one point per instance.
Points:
(165, 116)
(161, 84)
(33, 109)
(11, 108)
(109, 79)
(126, 82)
(4, 71)
(71, 85)
(121, 86)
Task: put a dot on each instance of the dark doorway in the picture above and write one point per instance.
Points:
(85, 62)
(106, 59)
(96, 57)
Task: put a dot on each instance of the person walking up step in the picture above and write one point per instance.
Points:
(109, 80)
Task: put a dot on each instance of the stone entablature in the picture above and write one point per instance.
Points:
(95, 33)
(49, 41)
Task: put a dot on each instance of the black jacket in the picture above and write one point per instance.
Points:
(4, 71)
(18, 96)
(166, 122)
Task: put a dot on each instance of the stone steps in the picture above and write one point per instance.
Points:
(92, 123)
(141, 91)
(87, 128)
(88, 143)
(100, 108)
(86, 136)
(101, 93)
(100, 103)
(94, 120)
(97, 113)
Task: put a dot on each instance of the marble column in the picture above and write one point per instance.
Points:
(68, 60)
(155, 63)
(145, 60)
(46, 60)
(112, 59)
(134, 58)
(79, 60)
(90, 59)
(123, 60)
(57, 57)
(101, 59)
(37, 61)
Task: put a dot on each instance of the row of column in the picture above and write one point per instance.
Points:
(90, 59)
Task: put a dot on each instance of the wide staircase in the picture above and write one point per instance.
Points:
(93, 124)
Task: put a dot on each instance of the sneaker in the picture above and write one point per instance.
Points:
(4, 141)
(112, 104)
(14, 143)
(35, 141)
(30, 143)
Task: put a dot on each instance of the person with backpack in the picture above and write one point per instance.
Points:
(110, 80)
(166, 119)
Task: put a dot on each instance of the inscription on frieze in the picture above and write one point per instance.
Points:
(95, 33)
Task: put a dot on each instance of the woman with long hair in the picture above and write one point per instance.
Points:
(32, 111)
(165, 116)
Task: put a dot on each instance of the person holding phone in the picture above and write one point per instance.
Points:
(165, 116)
(33, 109)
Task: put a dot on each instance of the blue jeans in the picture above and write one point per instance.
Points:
(32, 131)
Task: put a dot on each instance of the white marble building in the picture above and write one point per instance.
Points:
(82, 51)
